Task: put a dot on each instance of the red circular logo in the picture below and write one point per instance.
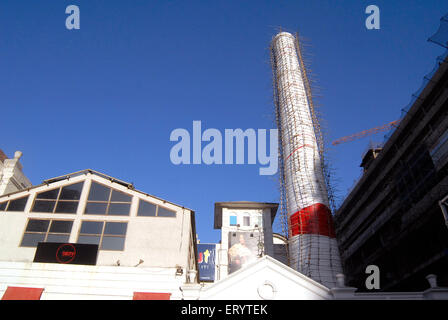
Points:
(66, 253)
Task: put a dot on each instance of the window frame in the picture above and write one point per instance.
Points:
(108, 202)
(57, 200)
(103, 228)
(46, 233)
(157, 210)
(8, 202)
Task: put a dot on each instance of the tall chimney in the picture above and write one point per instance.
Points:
(313, 249)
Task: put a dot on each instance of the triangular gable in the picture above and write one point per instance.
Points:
(55, 183)
(266, 278)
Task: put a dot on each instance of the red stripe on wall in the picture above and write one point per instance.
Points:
(151, 296)
(22, 293)
(315, 219)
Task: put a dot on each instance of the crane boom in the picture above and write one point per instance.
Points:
(368, 132)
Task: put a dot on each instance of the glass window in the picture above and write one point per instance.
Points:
(163, 212)
(67, 207)
(118, 196)
(109, 235)
(57, 238)
(32, 239)
(233, 221)
(3, 206)
(62, 200)
(149, 209)
(72, 192)
(112, 243)
(115, 228)
(49, 195)
(106, 201)
(98, 192)
(46, 231)
(92, 227)
(38, 225)
(17, 204)
(146, 208)
(95, 208)
(246, 221)
(59, 226)
(119, 209)
(43, 206)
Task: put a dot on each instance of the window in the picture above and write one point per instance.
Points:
(46, 231)
(14, 205)
(233, 221)
(60, 200)
(149, 209)
(104, 200)
(3, 206)
(246, 221)
(108, 235)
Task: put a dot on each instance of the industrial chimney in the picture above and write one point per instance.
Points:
(313, 249)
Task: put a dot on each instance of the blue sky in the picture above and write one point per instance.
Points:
(107, 96)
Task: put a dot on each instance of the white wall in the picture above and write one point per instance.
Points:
(72, 282)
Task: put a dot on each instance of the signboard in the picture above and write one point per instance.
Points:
(243, 249)
(206, 261)
(66, 253)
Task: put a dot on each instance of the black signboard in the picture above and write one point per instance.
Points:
(66, 253)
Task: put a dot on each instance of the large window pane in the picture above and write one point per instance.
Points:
(162, 212)
(119, 209)
(92, 227)
(96, 208)
(3, 206)
(67, 207)
(99, 192)
(31, 239)
(120, 196)
(72, 192)
(61, 226)
(51, 194)
(37, 225)
(89, 239)
(18, 204)
(116, 228)
(58, 238)
(146, 209)
(112, 243)
(43, 206)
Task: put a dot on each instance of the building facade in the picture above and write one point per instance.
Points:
(145, 245)
(395, 217)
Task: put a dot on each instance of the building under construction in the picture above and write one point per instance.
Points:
(396, 217)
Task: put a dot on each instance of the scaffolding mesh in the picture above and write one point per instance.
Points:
(304, 179)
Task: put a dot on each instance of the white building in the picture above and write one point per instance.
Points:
(146, 244)
(11, 175)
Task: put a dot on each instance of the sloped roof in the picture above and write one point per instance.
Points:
(245, 283)
(129, 185)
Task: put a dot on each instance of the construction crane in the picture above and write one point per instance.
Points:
(366, 133)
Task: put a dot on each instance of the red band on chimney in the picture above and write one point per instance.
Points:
(315, 219)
